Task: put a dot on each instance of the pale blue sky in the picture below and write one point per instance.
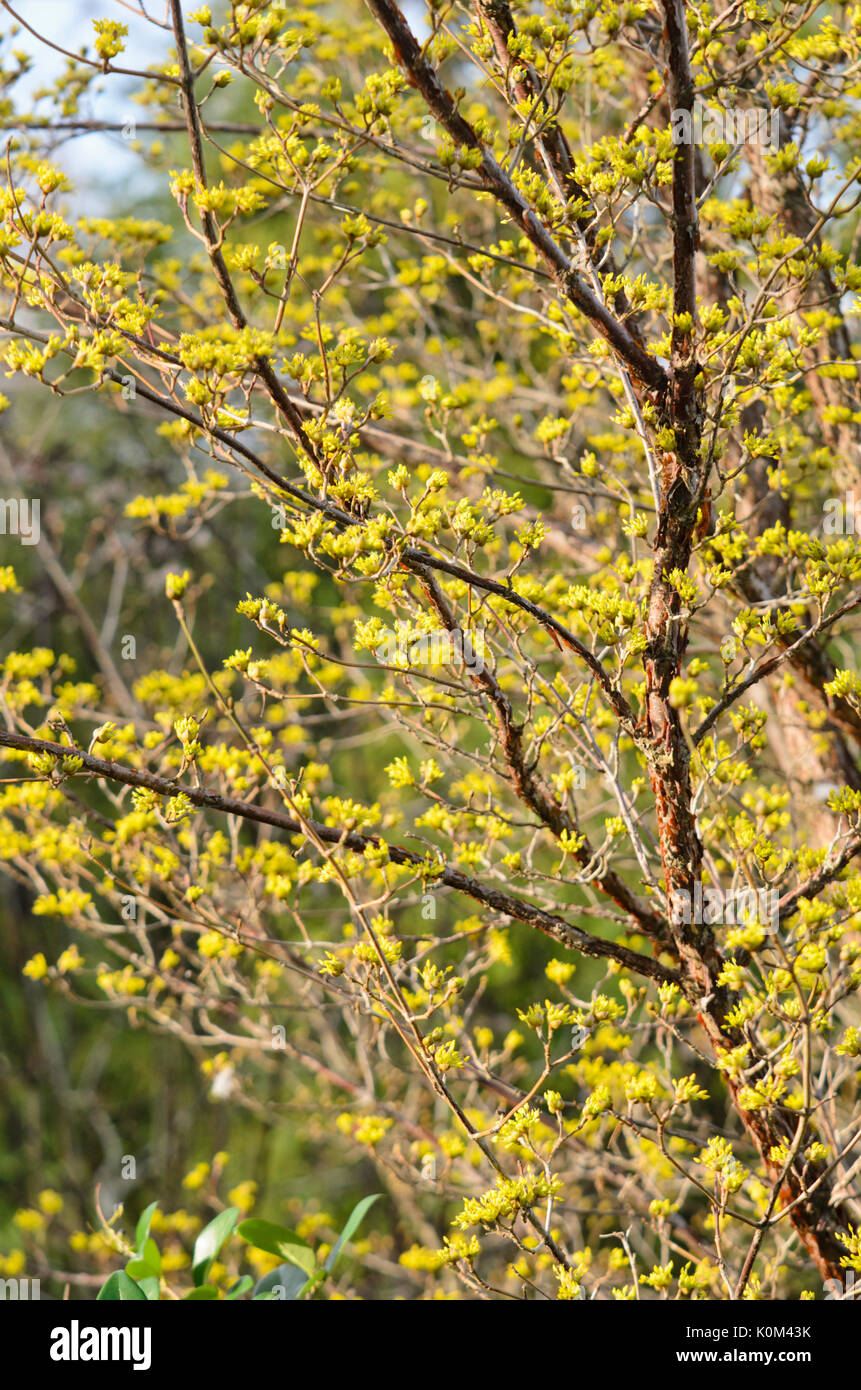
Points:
(96, 162)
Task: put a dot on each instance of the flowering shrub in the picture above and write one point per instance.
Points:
(413, 295)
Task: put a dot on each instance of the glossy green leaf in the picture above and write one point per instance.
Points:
(148, 1258)
(119, 1288)
(144, 1223)
(354, 1221)
(150, 1285)
(210, 1241)
(278, 1240)
(145, 1269)
(240, 1287)
(290, 1280)
(207, 1291)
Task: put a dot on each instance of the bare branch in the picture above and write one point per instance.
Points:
(573, 938)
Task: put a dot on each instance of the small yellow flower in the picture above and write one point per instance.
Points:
(243, 1196)
(371, 1129)
(29, 1220)
(174, 1258)
(197, 1177)
(70, 960)
(175, 585)
(262, 1262)
(559, 971)
(36, 968)
(50, 1201)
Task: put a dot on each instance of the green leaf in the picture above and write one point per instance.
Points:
(149, 1283)
(210, 1241)
(145, 1269)
(278, 1240)
(119, 1288)
(144, 1224)
(240, 1287)
(287, 1277)
(148, 1258)
(354, 1221)
(208, 1291)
